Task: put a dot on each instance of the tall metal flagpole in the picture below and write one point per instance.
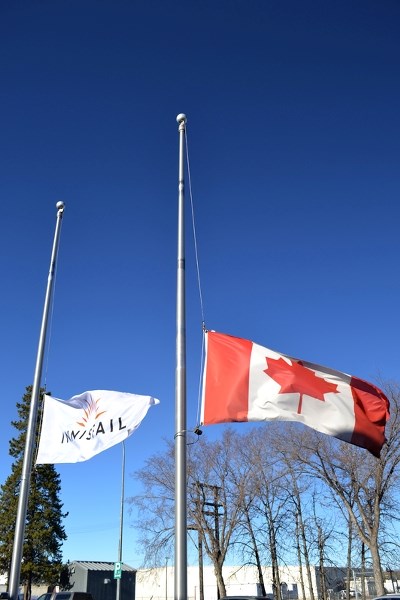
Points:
(15, 570)
(180, 389)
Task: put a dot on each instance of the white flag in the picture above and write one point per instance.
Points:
(77, 429)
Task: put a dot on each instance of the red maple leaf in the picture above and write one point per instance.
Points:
(297, 379)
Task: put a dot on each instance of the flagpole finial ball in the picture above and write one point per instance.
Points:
(181, 118)
(60, 205)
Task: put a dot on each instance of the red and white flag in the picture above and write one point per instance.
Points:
(243, 381)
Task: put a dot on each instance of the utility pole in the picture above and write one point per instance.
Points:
(205, 490)
(200, 553)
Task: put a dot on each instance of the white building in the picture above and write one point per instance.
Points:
(158, 583)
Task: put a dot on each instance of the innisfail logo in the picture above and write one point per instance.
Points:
(90, 425)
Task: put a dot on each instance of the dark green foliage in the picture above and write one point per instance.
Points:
(44, 531)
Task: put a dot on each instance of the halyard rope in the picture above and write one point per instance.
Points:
(198, 279)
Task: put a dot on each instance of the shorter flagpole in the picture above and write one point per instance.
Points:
(121, 523)
(15, 569)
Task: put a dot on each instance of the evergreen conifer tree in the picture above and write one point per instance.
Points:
(44, 531)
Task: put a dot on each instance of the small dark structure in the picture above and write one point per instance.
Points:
(98, 579)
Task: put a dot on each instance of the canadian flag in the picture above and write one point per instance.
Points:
(243, 381)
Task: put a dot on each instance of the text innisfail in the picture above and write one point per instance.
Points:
(94, 431)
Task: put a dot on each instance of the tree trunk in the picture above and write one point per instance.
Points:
(220, 580)
(349, 557)
(321, 568)
(299, 557)
(302, 533)
(256, 553)
(377, 569)
(274, 552)
(306, 558)
(363, 571)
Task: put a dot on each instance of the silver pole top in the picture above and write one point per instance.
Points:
(181, 119)
(60, 205)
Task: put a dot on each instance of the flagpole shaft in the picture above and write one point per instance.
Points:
(121, 522)
(15, 569)
(180, 389)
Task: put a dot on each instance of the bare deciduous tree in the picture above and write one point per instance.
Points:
(253, 491)
(361, 483)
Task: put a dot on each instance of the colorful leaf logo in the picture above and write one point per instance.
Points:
(91, 412)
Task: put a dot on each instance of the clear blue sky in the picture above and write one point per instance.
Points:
(294, 143)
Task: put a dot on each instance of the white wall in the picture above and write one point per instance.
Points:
(158, 584)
